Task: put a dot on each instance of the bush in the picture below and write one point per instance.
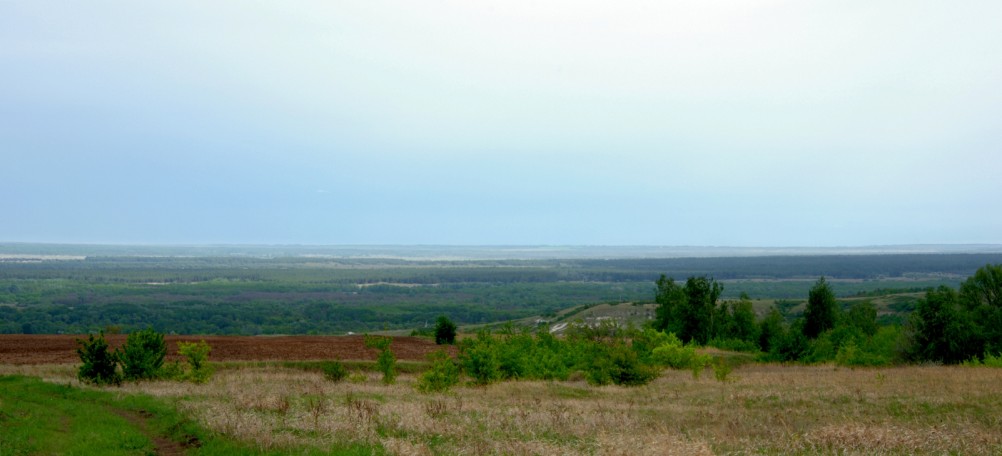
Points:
(143, 354)
(445, 331)
(443, 374)
(99, 364)
(197, 355)
(385, 361)
(738, 345)
(334, 371)
(990, 360)
(722, 370)
(480, 359)
(673, 354)
(619, 364)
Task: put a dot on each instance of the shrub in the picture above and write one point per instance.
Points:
(480, 359)
(143, 354)
(673, 354)
(334, 371)
(445, 331)
(722, 370)
(990, 360)
(172, 370)
(619, 364)
(197, 355)
(738, 345)
(385, 361)
(443, 374)
(99, 364)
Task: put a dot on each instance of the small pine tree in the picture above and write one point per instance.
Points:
(143, 354)
(821, 313)
(445, 331)
(99, 364)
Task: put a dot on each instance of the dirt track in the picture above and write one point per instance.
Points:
(59, 349)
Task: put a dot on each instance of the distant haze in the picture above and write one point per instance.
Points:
(25, 252)
(692, 122)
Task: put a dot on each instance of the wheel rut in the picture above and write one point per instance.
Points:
(162, 446)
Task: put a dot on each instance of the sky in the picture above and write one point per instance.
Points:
(515, 122)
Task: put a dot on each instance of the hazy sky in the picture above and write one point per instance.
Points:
(695, 122)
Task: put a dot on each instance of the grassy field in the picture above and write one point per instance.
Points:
(767, 409)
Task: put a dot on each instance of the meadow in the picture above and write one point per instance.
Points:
(759, 409)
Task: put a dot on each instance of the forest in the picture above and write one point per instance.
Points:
(326, 295)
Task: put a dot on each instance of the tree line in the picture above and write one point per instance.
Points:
(947, 326)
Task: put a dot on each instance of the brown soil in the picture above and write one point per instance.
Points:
(60, 349)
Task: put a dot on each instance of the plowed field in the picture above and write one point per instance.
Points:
(58, 349)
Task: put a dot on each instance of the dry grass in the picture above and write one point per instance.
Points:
(768, 409)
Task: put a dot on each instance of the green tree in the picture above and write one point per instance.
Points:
(100, 365)
(984, 288)
(385, 361)
(940, 330)
(143, 354)
(690, 311)
(981, 297)
(669, 296)
(697, 314)
(197, 356)
(742, 320)
(445, 331)
(772, 330)
(821, 313)
(863, 316)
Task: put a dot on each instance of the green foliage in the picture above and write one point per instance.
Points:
(688, 311)
(334, 371)
(617, 363)
(772, 330)
(863, 316)
(741, 321)
(672, 353)
(143, 355)
(739, 345)
(386, 362)
(197, 355)
(990, 360)
(479, 359)
(445, 331)
(441, 376)
(100, 365)
(38, 417)
(214, 294)
(941, 329)
(821, 313)
(791, 345)
(981, 298)
(722, 370)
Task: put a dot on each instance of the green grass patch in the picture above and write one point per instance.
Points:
(44, 418)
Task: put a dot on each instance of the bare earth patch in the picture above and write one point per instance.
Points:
(57, 349)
